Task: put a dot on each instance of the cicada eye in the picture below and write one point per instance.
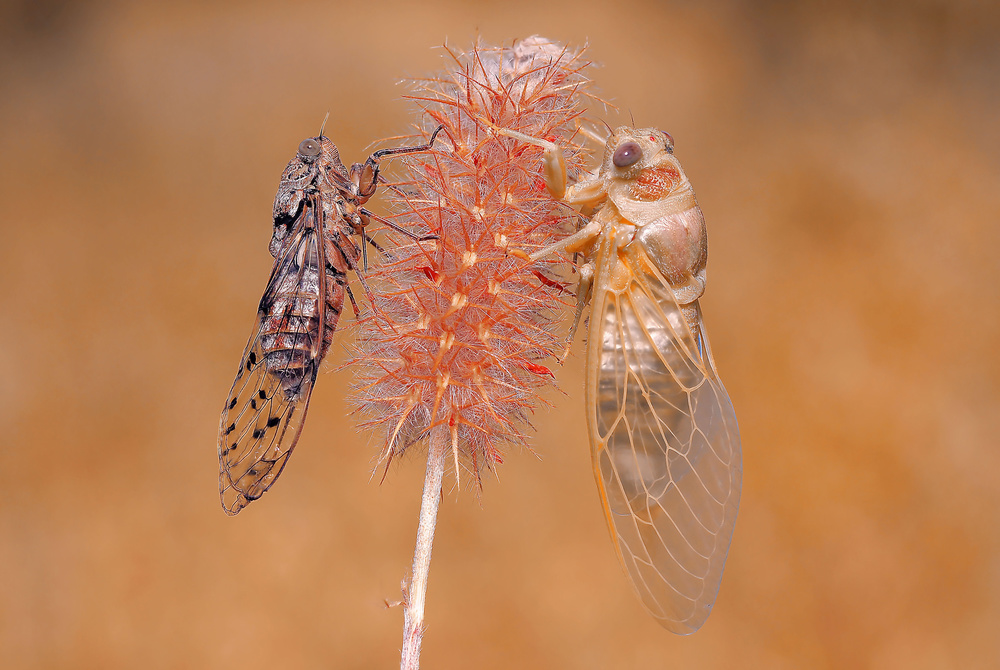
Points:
(627, 154)
(309, 147)
(669, 142)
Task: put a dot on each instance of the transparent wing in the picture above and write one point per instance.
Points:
(666, 449)
(266, 408)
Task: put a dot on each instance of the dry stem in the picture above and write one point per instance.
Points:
(413, 616)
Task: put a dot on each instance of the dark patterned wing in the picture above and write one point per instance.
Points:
(266, 408)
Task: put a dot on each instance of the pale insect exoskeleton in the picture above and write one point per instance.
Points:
(663, 434)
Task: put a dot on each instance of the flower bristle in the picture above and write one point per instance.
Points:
(459, 326)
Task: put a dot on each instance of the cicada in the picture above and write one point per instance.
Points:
(318, 210)
(663, 433)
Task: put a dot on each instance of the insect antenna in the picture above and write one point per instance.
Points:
(631, 118)
(323, 125)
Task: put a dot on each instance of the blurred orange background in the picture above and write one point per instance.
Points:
(848, 163)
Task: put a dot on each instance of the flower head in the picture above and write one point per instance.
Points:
(460, 326)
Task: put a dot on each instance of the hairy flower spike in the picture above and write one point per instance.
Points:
(459, 323)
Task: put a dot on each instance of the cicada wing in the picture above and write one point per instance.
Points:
(266, 408)
(666, 449)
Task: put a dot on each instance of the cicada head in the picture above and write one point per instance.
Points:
(331, 168)
(316, 165)
(642, 159)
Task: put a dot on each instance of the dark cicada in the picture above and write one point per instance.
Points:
(317, 212)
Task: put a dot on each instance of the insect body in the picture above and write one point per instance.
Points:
(663, 434)
(317, 209)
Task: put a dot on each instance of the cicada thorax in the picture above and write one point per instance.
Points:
(657, 204)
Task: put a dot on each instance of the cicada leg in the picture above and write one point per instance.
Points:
(583, 290)
(578, 241)
(365, 176)
(555, 164)
(397, 228)
(592, 135)
(590, 193)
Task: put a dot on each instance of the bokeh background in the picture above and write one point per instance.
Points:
(847, 158)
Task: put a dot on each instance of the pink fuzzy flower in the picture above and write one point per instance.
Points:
(461, 328)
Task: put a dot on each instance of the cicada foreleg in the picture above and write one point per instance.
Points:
(589, 193)
(555, 164)
(592, 135)
(365, 176)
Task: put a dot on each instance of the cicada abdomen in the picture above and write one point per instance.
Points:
(317, 210)
(663, 434)
(296, 326)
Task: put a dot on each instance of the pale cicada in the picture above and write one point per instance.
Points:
(663, 434)
(317, 210)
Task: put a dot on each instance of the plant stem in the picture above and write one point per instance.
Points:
(413, 615)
